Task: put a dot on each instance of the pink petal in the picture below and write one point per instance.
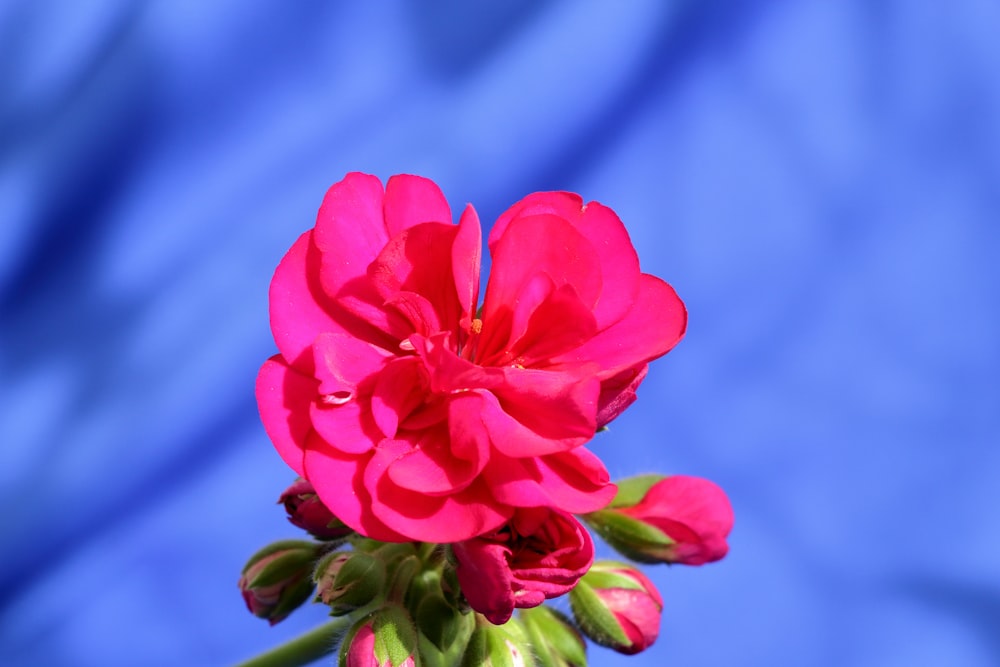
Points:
(537, 244)
(424, 518)
(573, 481)
(466, 255)
(619, 268)
(485, 578)
(565, 205)
(618, 392)
(350, 230)
(339, 482)
(419, 260)
(619, 262)
(343, 362)
(547, 321)
(348, 427)
(283, 398)
(418, 312)
(400, 388)
(535, 407)
(300, 310)
(432, 468)
(653, 326)
(410, 200)
(577, 479)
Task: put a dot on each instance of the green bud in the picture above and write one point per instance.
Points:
(349, 580)
(498, 645)
(276, 581)
(555, 639)
(386, 638)
(632, 538)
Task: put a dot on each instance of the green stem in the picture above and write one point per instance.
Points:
(304, 649)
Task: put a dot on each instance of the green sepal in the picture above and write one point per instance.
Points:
(438, 620)
(632, 490)
(277, 546)
(554, 638)
(594, 619)
(395, 636)
(292, 598)
(603, 580)
(289, 564)
(632, 538)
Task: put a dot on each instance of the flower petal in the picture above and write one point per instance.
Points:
(566, 205)
(539, 411)
(485, 578)
(348, 427)
(618, 392)
(299, 309)
(418, 260)
(537, 244)
(400, 388)
(551, 481)
(339, 482)
(466, 256)
(619, 264)
(424, 518)
(653, 326)
(547, 321)
(410, 200)
(283, 398)
(350, 229)
(343, 362)
(432, 467)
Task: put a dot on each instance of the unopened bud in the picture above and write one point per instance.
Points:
(308, 512)
(616, 606)
(498, 645)
(276, 580)
(349, 580)
(657, 519)
(555, 640)
(385, 638)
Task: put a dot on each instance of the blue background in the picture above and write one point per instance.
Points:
(818, 180)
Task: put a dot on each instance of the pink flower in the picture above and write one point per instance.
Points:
(414, 416)
(540, 554)
(693, 512)
(617, 606)
(306, 511)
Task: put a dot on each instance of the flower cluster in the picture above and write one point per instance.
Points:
(441, 441)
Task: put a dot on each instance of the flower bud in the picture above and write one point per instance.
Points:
(498, 645)
(385, 638)
(555, 640)
(657, 519)
(616, 606)
(307, 511)
(349, 580)
(276, 580)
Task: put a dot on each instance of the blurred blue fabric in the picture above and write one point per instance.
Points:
(820, 181)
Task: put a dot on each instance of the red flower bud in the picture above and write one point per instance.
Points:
(618, 607)
(308, 512)
(678, 519)
(277, 579)
(539, 554)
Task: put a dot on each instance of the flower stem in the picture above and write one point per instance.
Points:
(304, 649)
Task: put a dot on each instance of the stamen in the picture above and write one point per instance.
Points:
(406, 345)
(477, 326)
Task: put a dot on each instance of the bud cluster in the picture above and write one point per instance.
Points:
(421, 604)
